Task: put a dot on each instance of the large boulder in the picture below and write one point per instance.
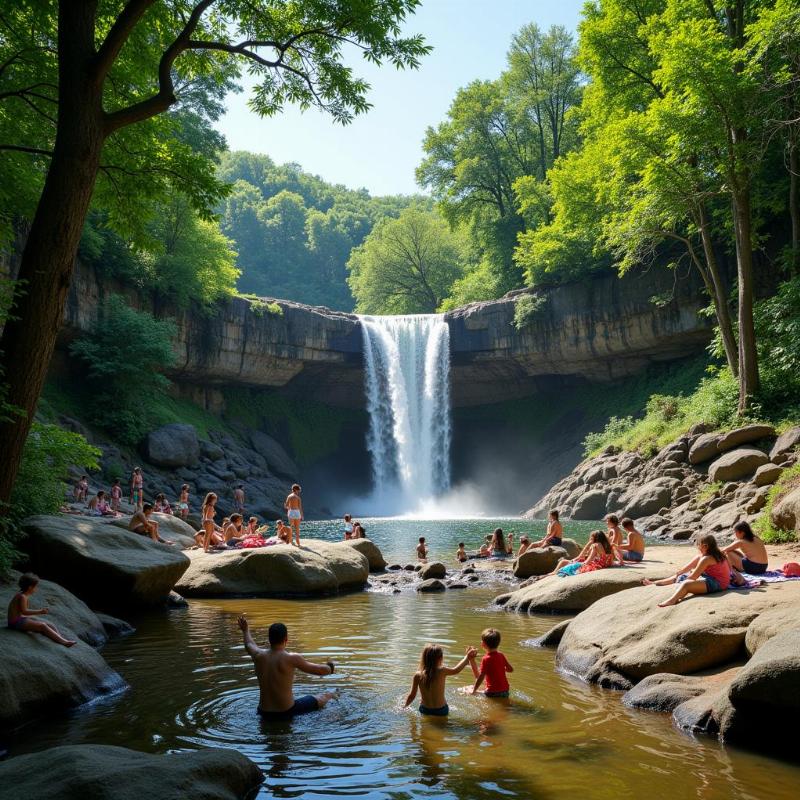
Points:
(664, 691)
(745, 435)
(736, 464)
(102, 772)
(785, 513)
(368, 548)
(564, 595)
(590, 505)
(538, 561)
(431, 585)
(315, 568)
(273, 453)
(173, 445)
(433, 570)
(103, 565)
(620, 640)
(650, 497)
(766, 688)
(39, 676)
(705, 447)
(170, 527)
(767, 474)
(787, 442)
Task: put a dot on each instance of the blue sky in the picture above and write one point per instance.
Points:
(381, 149)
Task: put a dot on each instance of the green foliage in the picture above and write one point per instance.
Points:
(789, 480)
(666, 417)
(40, 488)
(527, 308)
(259, 307)
(125, 355)
(406, 265)
(313, 430)
(708, 491)
(294, 232)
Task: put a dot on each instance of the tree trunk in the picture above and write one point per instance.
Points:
(794, 194)
(719, 295)
(28, 340)
(748, 357)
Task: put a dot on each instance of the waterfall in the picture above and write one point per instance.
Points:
(407, 382)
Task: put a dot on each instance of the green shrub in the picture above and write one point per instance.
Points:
(125, 354)
(527, 308)
(707, 492)
(789, 480)
(40, 488)
(260, 307)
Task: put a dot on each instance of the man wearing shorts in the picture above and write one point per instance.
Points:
(275, 672)
(294, 511)
(137, 488)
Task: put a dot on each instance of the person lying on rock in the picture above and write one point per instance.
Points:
(19, 615)
(706, 573)
(431, 677)
(142, 524)
(632, 549)
(597, 554)
(275, 670)
(747, 552)
(555, 532)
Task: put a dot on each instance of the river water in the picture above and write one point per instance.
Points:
(191, 685)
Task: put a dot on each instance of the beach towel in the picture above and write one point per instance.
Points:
(771, 576)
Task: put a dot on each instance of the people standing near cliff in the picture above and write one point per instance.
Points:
(137, 488)
(81, 490)
(208, 512)
(747, 552)
(116, 496)
(294, 511)
(183, 502)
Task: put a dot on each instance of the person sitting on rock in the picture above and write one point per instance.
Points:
(359, 531)
(485, 549)
(19, 615)
(747, 552)
(183, 501)
(98, 507)
(142, 524)
(706, 573)
(461, 553)
(429, 680)
(597, 554)
(632, 549)
(116, 496)
(614, 532)
(555, 531)
(284, 532)
(234, 532)
(161, 504)
(275, 670)
(422, 549)
(524, 545)
(252, 526)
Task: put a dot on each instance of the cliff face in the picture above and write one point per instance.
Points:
(598, 330)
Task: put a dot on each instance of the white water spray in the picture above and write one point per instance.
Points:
(407, 383)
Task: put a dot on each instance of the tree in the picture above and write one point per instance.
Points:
(407, 265)
(87, 75)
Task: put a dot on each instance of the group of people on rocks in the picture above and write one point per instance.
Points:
(353, 529)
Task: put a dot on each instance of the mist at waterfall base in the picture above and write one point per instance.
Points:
(407, 388)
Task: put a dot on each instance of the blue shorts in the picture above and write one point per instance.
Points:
(554, 542)
(302, 705)
(435, 712)
(632, 555)
(17, 624)
(496, 694)
(753, 567)
(712, 584)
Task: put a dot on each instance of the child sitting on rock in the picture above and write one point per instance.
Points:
(493, 668)
(747, 553)
(429, 680)
(632, 549)
(706, 573)
(19, 615)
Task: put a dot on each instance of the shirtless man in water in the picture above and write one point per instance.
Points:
(275, 672)
(294, 511)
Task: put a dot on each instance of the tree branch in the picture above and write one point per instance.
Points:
(17, 148)
(117, 36)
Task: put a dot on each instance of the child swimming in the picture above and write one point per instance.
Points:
(706, 573)
(19, 615)
(431, 677)
(493, 668)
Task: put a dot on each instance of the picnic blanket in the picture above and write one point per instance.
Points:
(770, 576)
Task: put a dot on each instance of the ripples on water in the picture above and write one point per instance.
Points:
(192, 686)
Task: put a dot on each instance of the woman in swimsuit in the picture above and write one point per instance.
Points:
(208, 513)
(498, 546)
(747, 553)
(19, 615)
(709, 572)
(430, 680)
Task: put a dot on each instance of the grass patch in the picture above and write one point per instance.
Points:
(788, 481)
(707, 492)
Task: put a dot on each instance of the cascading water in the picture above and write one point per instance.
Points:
(407, 384)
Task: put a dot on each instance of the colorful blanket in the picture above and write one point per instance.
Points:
(770, 576)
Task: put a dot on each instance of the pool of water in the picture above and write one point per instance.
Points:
(397, 537)
(192, 685)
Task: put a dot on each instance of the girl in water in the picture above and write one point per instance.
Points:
(706, 573)
(498, 546)
(430, 680)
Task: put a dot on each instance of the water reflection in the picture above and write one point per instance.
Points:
(192, 686)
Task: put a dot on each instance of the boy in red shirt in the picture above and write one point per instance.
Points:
(494, 666)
